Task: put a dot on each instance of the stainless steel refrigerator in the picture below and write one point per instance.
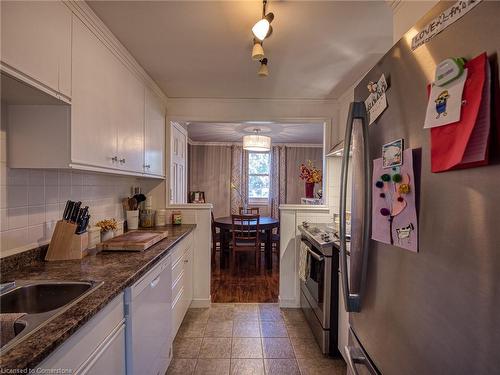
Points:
(436, 311)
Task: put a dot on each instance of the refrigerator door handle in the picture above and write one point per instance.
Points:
(352, 299)
(356, 356)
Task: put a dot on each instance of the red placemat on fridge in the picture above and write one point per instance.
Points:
(464, 144)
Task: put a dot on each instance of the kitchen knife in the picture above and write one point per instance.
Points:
(66, 210)
(74, 212)
(70, 210)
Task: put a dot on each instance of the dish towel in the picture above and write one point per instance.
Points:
(7, 326)
(303, 262)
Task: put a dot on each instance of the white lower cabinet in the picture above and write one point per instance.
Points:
(133, 334)
(96, 348)
(182, 281)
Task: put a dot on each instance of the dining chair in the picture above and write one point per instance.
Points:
(246, 237)
(215, 239)
(249, 211)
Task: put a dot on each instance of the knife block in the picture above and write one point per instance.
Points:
(65, 244)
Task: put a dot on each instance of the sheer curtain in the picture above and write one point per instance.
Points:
(278, 179)
(239, 178)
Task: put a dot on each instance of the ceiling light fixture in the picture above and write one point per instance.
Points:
(263, 29)
(263, 70)
(256, 142)
(257, 50)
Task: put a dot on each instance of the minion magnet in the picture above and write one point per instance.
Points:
(441, 102)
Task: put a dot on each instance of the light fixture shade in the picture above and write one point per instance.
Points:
(257, 51)
(263, 70)
(256, 142)
(261, 29)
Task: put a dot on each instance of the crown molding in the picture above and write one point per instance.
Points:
(83, 11)
(302, 145)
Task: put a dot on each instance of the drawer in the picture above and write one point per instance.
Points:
(177, 269)
(177, 286)
(75, 351)
(179, 249)
(179, 309)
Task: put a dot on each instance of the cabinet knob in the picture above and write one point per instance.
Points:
(147, 166)
(122, 161)
(186, 260)
(114, 159)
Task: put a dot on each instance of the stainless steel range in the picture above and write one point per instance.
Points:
(319, 284)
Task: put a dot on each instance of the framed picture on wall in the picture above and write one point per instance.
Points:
(197, 197)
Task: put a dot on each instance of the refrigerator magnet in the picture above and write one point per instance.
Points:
(392, 153)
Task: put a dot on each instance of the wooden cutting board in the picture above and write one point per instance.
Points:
(136, 240)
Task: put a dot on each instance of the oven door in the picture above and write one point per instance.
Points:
(317, 286)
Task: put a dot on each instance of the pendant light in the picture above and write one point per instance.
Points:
(263, 29)
(263, 70)
(257, 50)
(256, 142)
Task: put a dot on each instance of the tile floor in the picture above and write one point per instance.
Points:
(241, 339)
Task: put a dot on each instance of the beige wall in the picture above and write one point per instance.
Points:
(407, 13)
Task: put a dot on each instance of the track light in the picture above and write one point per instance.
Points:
(263, 29)
(263, 70)
(257, 50)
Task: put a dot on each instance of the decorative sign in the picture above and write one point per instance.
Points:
(441, 22)
(376, 103)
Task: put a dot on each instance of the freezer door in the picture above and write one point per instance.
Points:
(358, 362)
(436, 311)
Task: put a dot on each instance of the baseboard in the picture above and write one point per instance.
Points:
(288, 302)
(198, 303)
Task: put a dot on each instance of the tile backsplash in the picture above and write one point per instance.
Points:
(32, 200)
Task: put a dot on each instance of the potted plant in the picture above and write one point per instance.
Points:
(108, 226)
(311, 175)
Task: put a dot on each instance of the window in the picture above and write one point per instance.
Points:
(259, 167)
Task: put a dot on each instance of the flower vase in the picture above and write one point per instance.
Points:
(107, 235)
(309, 189)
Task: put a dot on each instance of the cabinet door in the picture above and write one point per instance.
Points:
(93, 131)
(128, 115)
(154, 135)
(36, 40)
(178, 160)
(110, 357)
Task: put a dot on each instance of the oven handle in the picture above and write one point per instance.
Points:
(319, 258)
(352, 301)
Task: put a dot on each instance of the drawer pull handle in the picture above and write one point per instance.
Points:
(155, 282)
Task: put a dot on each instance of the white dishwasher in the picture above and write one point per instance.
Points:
(148, 321)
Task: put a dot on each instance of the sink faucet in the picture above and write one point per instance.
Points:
(7, 285)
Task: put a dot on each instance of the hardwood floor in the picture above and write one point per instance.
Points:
(245, 285)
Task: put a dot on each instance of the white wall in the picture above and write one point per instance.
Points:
(407, 13)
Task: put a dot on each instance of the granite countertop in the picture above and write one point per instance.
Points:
(117, 270)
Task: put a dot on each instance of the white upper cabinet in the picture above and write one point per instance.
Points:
(128, 108)
(154, 134)
(94, 128)
(36, 43)
(116, 122)
(108, 107)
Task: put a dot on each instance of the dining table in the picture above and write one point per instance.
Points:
(266, 225)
